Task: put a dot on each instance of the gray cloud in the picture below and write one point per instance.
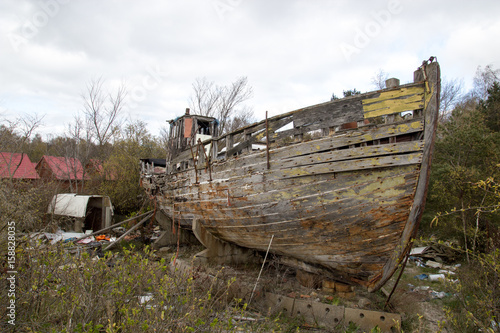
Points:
(291, 51)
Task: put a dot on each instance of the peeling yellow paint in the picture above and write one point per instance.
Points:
(394, 101)
(397, 93)
(404, 128)
(416, 125)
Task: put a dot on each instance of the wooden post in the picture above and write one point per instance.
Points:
(248, 136)
(267, 143)
(229, 143)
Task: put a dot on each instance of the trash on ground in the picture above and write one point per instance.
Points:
(442, 252)
(433, 264)
(446, 272)
(426, 290)
(436, 277)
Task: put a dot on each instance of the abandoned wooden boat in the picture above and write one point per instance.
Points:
(336, 189)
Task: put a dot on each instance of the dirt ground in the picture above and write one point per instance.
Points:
(420, 310)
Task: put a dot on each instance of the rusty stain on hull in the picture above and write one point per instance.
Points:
(342, 201)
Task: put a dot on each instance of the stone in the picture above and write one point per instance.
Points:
(364, 302)
(164, 252)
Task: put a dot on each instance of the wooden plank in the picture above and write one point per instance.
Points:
(346, 139)
(323, 182)
(394, 101)
(325, 144)
(256, 176)
(241, 187)
(259, 164)
(431, 112)
(258, 137)
(283, 188)
(323, 226)
(335, 113)
(281, 203)
(112, 226)
(110, 245)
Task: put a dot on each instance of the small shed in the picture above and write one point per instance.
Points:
(91, 212)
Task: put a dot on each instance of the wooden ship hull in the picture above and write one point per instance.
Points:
(336, 189)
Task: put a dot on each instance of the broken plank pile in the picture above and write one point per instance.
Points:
(440, 252)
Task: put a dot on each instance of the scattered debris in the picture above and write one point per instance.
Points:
(446, 272)
(441, 252)
(119, 230)
(421, 276)
(436, 277)
(433, 264)
(426, 290)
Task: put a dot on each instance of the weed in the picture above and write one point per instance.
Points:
(126, 291)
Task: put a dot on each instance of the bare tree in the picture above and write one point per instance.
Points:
(163, 137)
(221, 102)
(80, 148)
(378, 80)
(102, 111)
(451, 94)
(242, 118)
(14, 137)
(206, 97)
(483, 80)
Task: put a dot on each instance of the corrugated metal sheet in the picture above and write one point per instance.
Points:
(69, 204)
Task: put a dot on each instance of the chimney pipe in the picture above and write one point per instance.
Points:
(187, 111)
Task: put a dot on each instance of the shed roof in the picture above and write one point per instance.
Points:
(70, 204)
(10, 161)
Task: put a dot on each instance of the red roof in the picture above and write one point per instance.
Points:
(62, 168)
(10, 161)
(96, 167)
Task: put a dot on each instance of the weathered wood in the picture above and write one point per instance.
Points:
(112, 226)
(110, 245)
(308, 148)
(343, 191)
(257, 137)
(394, 101)
(431, 112)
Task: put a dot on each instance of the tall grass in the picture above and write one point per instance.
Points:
(127, 291)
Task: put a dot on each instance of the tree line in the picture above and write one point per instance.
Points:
(100, 132)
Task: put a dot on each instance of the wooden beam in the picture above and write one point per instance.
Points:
(128, 232)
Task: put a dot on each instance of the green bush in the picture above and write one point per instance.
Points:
(60, 291)
(477, 303)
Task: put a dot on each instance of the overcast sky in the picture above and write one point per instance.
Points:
(294, 53)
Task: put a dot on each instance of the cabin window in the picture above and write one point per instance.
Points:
(204, 127)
